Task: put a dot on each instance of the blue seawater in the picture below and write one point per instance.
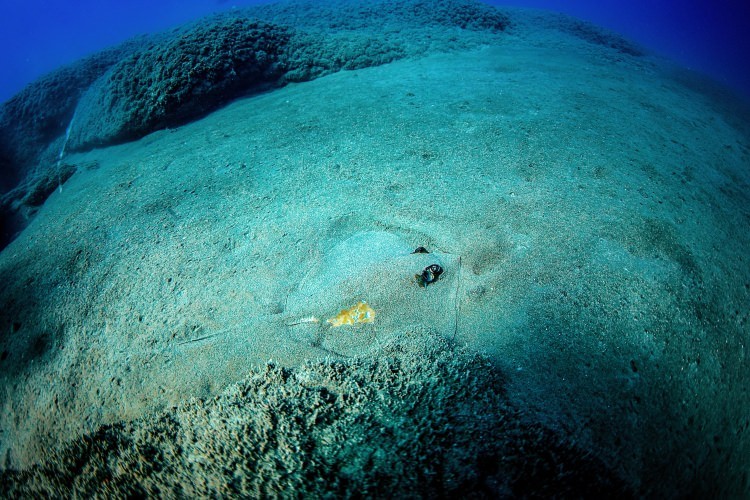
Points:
(711, 37)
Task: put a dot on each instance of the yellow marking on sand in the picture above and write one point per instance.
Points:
(358, 313)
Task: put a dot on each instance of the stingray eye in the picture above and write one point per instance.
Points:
(436, 270)
(429, 274)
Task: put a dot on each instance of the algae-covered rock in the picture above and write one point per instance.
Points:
(186, 76)
(417, 418)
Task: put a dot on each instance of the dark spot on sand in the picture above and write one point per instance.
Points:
(39, 345)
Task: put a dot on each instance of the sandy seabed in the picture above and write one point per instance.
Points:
(590, 210)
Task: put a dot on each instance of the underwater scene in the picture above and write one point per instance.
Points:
(387, 249)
